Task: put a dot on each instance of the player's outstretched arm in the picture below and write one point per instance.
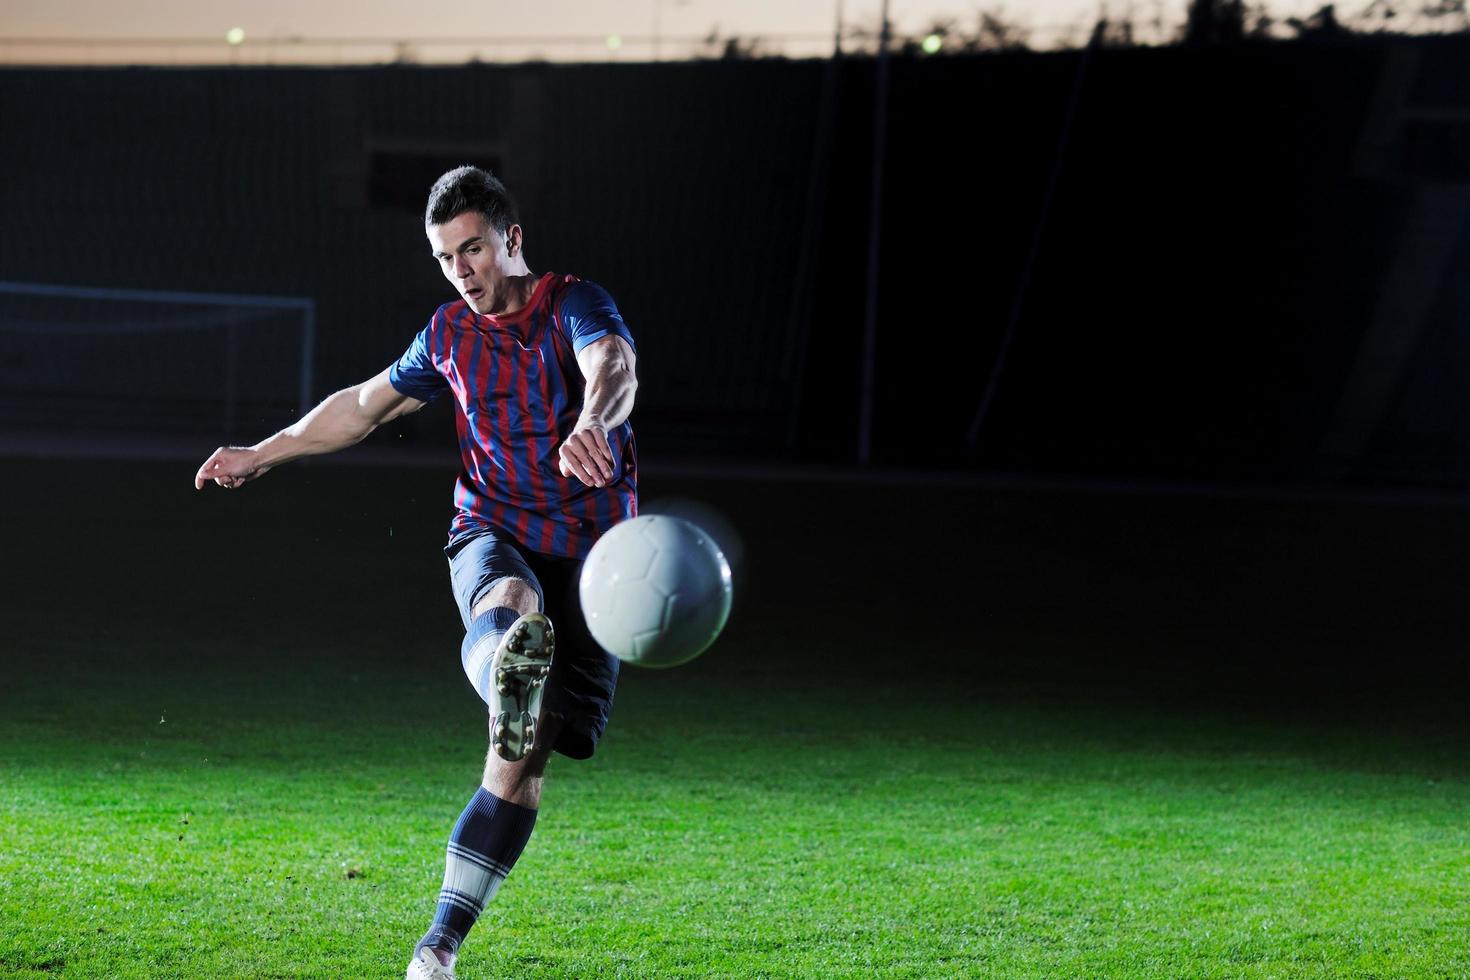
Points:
(608, 364)
(341, 420)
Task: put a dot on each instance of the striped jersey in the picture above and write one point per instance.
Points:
(518, 391)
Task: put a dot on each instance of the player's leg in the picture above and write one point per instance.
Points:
(520, 782)
(506, 655)
(579, 691)
(498, 821)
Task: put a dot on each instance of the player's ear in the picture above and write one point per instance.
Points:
(512, 240)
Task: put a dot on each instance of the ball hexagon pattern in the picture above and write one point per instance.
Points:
(656, 591)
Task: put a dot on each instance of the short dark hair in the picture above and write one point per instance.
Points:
(471, 189)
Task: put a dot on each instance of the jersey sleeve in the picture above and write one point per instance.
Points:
(415, 374)
(588, 313)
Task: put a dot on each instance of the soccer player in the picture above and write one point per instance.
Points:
(541, 368)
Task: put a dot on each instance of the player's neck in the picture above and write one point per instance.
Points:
(517, 294)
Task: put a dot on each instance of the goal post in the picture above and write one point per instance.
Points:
(154, 362)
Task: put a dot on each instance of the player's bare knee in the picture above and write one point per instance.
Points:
(519, 782)
(512, 593)
(533, 766)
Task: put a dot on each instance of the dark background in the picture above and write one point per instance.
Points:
(1250, 268)
(1234, 279)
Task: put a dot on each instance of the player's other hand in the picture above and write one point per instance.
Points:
(230, 467)
(587, 456)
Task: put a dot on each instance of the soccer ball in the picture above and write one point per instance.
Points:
(655, 591)
(712, 522)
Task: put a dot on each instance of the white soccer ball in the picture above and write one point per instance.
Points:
(655, 591)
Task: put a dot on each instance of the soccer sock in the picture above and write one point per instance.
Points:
(490, 835)
(480, 641)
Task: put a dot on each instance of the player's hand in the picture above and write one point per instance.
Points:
(230, 467)
(587, 456)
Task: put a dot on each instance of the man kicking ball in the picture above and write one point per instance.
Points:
(542, 372)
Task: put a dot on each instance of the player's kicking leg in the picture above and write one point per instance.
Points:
(514, 682)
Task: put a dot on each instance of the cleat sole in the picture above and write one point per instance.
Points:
(520, 668)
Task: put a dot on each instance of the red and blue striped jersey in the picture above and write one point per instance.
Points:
(518, 391)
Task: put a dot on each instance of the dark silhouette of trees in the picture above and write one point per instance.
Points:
(1214, 22)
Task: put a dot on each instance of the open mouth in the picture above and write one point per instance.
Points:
(474, 292)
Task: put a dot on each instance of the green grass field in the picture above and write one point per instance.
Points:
(234, 736)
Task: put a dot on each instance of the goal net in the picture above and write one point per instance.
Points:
(80, 359)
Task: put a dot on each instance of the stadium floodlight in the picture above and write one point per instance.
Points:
(932, 44)
(235, 36)
(614, 41)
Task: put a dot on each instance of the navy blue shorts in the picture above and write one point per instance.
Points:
(583, 675)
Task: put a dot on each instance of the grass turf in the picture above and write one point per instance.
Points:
(238, 751)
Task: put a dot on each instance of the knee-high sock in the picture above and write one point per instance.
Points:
(490, 835)
(480, 641)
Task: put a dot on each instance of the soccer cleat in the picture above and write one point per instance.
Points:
(519, 670)
(426, 966)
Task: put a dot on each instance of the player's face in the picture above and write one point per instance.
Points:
(477, 259)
